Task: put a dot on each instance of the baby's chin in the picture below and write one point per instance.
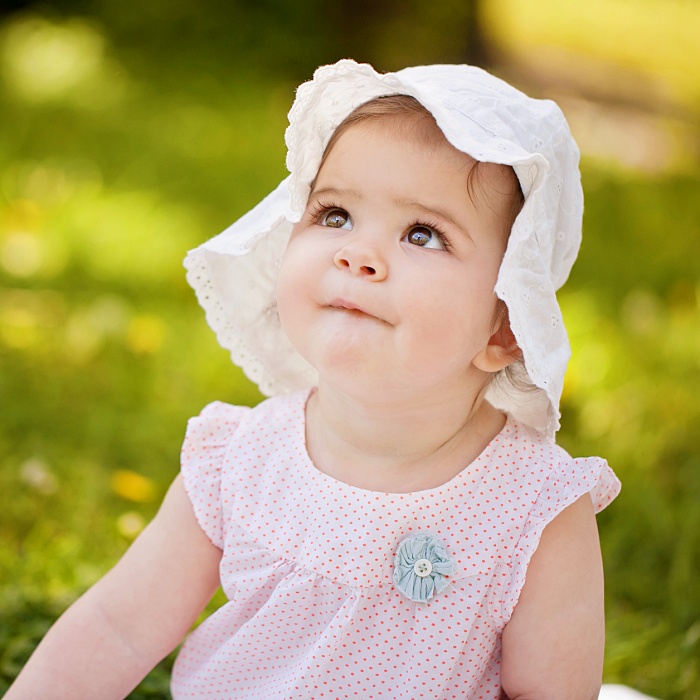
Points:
(352, 370)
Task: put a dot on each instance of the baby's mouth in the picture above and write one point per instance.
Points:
(352, 309)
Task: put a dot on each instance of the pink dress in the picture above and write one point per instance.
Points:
(313, 611)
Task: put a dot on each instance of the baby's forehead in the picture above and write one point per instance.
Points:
(399, 116)
(418, 129)
(362, 146)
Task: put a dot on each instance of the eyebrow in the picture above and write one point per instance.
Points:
(353, 194)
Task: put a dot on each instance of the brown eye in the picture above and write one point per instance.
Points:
(336, 218)
(425, 238)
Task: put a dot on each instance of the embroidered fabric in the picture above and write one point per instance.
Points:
(234, 274)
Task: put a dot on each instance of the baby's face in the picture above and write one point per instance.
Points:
(387, 282)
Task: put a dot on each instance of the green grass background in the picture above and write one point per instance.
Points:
(118, 155)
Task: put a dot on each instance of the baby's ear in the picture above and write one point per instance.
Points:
(501, 350)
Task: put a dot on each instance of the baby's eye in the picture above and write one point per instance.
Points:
(336, 218)
(424, 237)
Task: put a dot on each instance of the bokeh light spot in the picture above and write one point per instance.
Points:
(145, 335)
(130, 524)
(42, 60)
(36, 474)
(82, 339)
(132, 486)
(641, 312)
(21, 254)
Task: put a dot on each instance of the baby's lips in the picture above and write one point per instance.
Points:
(344, 304)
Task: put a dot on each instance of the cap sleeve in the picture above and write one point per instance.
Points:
(565, 485)
(201, 462)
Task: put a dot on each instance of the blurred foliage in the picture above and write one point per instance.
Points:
(651, 37)
(130, 136)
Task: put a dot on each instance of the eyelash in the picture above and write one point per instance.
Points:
(320, 209)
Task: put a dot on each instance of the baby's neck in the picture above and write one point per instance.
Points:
(397, 448)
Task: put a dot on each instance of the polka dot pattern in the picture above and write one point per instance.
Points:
(307, 561)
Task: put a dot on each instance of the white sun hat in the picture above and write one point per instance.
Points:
(234, 274)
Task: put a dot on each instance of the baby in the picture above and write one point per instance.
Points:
(397, 520)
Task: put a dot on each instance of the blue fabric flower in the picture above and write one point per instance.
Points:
(422, 567)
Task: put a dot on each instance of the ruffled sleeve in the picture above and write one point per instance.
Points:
(571, 479)
(202, 462)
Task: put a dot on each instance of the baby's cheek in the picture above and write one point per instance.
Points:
(284, 293)
(293, 290)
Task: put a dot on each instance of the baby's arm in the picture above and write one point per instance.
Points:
(110, 638)
(553, 644)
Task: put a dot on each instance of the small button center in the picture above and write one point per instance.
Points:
(423, 568)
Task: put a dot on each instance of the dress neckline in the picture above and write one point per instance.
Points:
(466, 475)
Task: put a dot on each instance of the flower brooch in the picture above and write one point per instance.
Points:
(422, 567)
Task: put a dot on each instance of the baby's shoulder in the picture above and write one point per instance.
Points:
(554, 475)
(286, 407)
(530, 461)
(219, 410)
(225, 433)
(215, 425)
(526, 447)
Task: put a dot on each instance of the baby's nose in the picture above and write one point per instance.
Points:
(361, 259)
